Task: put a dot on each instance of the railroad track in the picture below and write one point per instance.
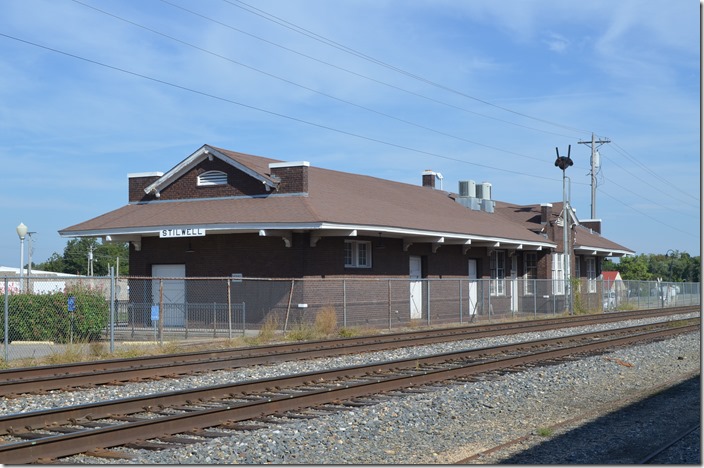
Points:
(161, 420)
(43, 378)
(667, 444)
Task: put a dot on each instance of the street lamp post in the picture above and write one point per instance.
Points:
(670, 279)
(563, 162)
(22, 232)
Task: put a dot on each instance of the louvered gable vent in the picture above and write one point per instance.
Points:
(212, 178)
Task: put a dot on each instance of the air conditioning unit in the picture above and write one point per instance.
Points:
(467, 188)
(484, 191)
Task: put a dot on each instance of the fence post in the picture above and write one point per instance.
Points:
(489, 297)
(428, 301)
(215, 320)
(460, 285)
(344, 303)
(244, 319)
(112, 309)
(388, 296)
(535, 299)
(288, 309)
(229, 309)
(162, 312)
(7, 321)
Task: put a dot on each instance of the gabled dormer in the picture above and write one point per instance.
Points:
(207, 173)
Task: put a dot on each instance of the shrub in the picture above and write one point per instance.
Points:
(45, 317)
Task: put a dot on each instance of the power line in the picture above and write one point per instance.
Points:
(657, 189)
(659, 177)
(359, 75)
(670, 225)
(271, 75)
(330, 42)
(259, 109)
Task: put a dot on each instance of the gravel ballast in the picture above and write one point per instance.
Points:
(444, 425)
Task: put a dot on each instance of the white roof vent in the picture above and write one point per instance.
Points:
(212, 178)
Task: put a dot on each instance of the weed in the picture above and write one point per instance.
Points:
(302, 332)
(326, 321)
(268, 330)
(545, 431)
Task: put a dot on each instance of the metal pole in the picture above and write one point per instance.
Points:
(565, 247)
(460, 284)
(428, 282)
(21, 264)
(344, 303)
(593, 164)
(112, 309)
(388, 283)
(7, 321)
(229, 309)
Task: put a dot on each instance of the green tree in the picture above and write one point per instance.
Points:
(671, 267)
(75, 258)
(634, 268)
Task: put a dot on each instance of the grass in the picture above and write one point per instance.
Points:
(545, 431)
(324, 326)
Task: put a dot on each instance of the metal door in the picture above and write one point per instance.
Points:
(416, 287)
(174, 293)
(473, 304)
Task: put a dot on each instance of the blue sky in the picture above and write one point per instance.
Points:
(482, 90)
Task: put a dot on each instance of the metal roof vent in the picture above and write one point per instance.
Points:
(212, 178)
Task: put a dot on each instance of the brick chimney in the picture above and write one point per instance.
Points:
(593, 224)
(429, 178)
(293, 176)
(545, 212)
(138, 182)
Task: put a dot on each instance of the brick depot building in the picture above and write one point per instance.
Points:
(219, 213)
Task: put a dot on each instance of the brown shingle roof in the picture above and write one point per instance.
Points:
(334, 197)
(529, 216)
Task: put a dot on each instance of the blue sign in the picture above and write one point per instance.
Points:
(71, 303)
(155, 313)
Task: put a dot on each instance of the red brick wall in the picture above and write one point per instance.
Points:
(238, 183)
(136, 188)
(294, 179)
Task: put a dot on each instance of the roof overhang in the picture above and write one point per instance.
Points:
(319, 230)
(601, 251)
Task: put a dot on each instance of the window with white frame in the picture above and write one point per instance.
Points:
(497, 271)
(358, 254)
(530, 260)
(212, 178)
(591, 273)
(578, 272)
(558, 273)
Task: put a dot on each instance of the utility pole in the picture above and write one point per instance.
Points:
(90, 260)
(563, 162)
(593, 146)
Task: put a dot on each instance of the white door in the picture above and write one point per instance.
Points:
(514, 283)
(472, 287)
(416, 288)
(174, 293)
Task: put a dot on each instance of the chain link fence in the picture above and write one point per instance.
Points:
(42, 315)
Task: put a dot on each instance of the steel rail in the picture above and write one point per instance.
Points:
(141, 403)
(651, 456)
(16, 381)
(68, 444)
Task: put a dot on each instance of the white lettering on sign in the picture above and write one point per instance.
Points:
(182, 232)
